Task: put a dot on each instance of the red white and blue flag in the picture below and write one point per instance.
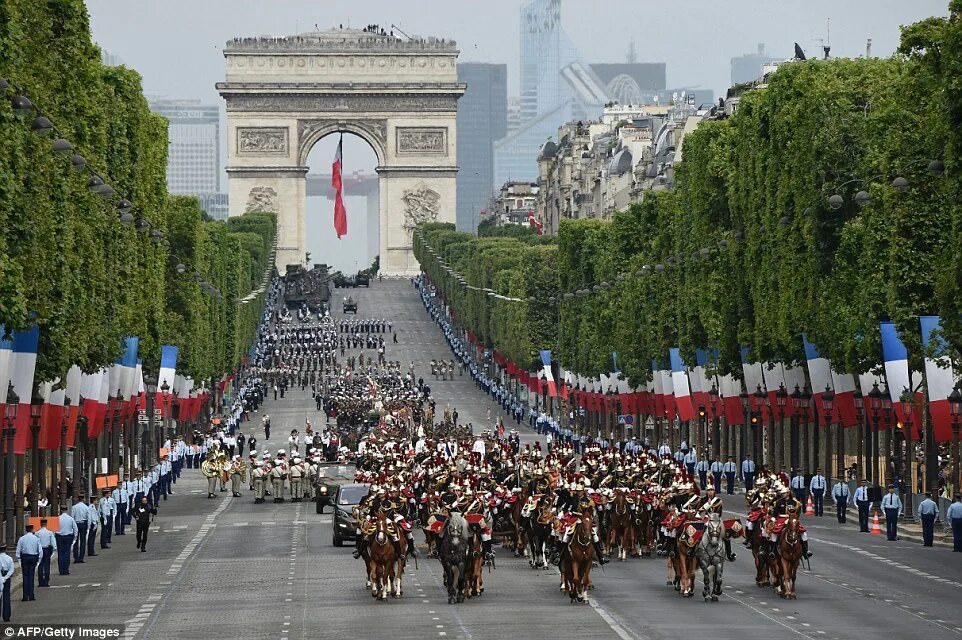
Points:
(680, 385)
(23, 364)
(168, 373)
(939, 377)
(340, 213)
(546, 372)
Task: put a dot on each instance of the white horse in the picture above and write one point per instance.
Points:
(711, 557)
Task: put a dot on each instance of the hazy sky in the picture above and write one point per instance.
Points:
(177, 46)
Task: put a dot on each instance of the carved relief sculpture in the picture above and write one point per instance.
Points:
(420, 205)
(262, 199)
(262, 140)
(422, 140)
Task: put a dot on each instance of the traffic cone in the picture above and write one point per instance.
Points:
(810, 507)
(876, 527)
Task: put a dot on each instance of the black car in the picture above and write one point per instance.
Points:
(362, 280)
(350, 306)
(344, 523)
(331, 476)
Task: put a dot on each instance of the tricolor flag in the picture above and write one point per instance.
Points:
(126, 369)
(51, 415)
(680, 385)
(168, 373)
(340, 213)
(700, 384)
(730, 390)
(6, 361)
(546, 372)
(95, 388)
(74, 384)
(896, 358)
(939, 377)
(820, 373)
(23, 364)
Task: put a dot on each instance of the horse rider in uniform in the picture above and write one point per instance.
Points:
(580, 504)
(788, 505)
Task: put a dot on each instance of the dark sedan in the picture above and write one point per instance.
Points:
(344, 523)
(331, 476)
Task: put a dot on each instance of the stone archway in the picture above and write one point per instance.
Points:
(285, 94)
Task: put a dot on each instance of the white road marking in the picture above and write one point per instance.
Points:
(620, 631)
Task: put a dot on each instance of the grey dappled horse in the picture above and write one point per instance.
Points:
(453, 553)
(711, 557)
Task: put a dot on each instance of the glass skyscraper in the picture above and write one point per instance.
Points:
(482, 119)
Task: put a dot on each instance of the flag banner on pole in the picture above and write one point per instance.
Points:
(168, 373)
(939, 377)
(94, 405)
(773, 373)
(680, 385)
(730, 390)
(896, 366)
(340, 213)
(546, 372)
(700, 384)
(51, 414)
(74, 384)
(22, 369)
(753, 378)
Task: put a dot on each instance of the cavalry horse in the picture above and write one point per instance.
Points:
(761, 550)
(430, 505)
(576, 563)
(683, 563)
(474, 571)
(711, 557)
(381, 559)
(788, 553)
(621, 529)
(537, 531)
(646, 517)
(453, 553)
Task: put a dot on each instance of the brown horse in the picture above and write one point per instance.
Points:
(646, 517)
(431, 506)
(474, 573)
(684, 564)
(381, 558)
(761, 550)
(576, 565)
(788, 555)
(621, 529)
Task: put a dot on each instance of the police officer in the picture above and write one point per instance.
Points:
(748, 472)
(864, 506)
(717, 468)
(954, 516)
(120, 496)
(840, 494)
(927, 512)
(730, 470)
(798, 486)
(28, 553)
(108, 511)
(81, 515)
(817, 487)
(702, 468)
(65, 536)
(892, 506)
(6, 572)
(47, 543)
(93, 523)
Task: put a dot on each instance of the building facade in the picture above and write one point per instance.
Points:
(193, 165)
(482, 119)
(750, 67)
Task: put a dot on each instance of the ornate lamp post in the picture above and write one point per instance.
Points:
(874, 405)
(61, 468)
(165, 399)
(902, 439)
(889, 428)
(36, 473)
(148, 447)
(761, 400)
(860, 442)
(715, 402)
(955, 409)
(9, 431)
(544, 392)
(746, 424)
(793, 427)
(781, 402)
(828, 403)
(804, 403)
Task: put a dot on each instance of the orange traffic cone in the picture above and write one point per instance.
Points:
(810, 507)
(876, 527)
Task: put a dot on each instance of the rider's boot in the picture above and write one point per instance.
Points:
(805, 551)
(361, 545)
(486, 549)
(602, 559)
(397, 548)
(412, 548)
(748, 540)
(728, 550)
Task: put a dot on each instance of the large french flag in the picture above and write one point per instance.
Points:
(730, 390)
(51, 415)
(127, 366)
(939, 376)
(6, 361)
(94, 405)
(73, 392)
(340, 213)
(866, 381)
(680, 385)
(896, 366)
(23, 365)
(546, 372)
(700, 384)
(168, 372)
(774, 375)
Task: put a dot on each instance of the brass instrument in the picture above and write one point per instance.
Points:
(210, 467)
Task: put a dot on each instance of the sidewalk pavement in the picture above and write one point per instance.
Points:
(909, 530)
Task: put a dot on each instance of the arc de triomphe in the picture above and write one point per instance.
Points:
(285, 94)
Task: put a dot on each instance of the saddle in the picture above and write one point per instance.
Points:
(734, 528)
(779, 524)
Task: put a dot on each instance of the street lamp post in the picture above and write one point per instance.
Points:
(165, 418)
(9, 431)
(828, 403)
(955, 409)
(714, 401)
(544, 393)
(889, 426)
(743, 445)
(36, 473)
(874, 405)
(148, 445)
(61, 468)
(781, 401)
(860, 456)
(702, 430)
(905, 450)
(804, 403)
(793, 428)
(761, 399)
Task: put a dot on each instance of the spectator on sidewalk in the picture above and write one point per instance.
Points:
(864, 506)
(954, 516)
(817, 488)
(6, 573)
(927, 512)
(48, 542)
(65, 537)
(892, 506)
(28, 553)
(840, 494)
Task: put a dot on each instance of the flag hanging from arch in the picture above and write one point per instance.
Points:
(340, 213)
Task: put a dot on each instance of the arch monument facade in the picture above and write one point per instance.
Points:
(285, 94)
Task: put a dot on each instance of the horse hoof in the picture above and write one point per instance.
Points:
(792, 596)
(450, 600)
(714, 598)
